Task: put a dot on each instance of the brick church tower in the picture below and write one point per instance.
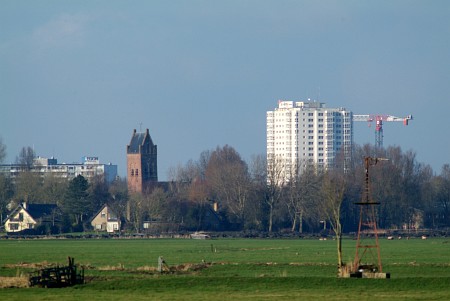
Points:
(142, 165)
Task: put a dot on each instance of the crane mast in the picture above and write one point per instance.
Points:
(379, 123)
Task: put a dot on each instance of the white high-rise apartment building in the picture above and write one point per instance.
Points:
(301, 133)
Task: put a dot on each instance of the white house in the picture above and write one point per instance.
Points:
(29, 216)
(106, 220)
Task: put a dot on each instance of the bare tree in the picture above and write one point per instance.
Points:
(6, 194)
(29, 187)
(199, 195)
(442, 203)
(26, 158)
(154, 205)
(333, 189)
(189, 189)
(181, 177)
(134, 211)
(229, 181)
(53, 189)
(2, 150)
(301, 192)
(119, 196)
(258, 169)
(276, 179)
(257, 214)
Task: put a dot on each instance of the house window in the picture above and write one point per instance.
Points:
(20, 216)
(30, 226)
(14, 226)
(103, 215)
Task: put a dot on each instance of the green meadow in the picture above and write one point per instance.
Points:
(227, 269)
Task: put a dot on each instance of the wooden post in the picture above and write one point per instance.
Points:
(161, 264)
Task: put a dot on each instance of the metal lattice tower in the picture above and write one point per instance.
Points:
(367, 244)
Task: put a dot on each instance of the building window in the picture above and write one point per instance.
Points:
(137, 172)
(132, 172)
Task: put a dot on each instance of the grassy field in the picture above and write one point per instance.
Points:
(240, 269)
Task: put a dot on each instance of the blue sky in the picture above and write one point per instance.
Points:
(76, 77)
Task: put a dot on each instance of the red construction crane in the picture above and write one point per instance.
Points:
(379, 124)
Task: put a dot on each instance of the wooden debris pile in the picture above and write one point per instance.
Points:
(58, 276)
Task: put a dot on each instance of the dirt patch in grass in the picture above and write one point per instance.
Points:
(149, 269)
(264, 249)
(29, 265)
(8, 282)
(173, 269)
(176, 269)
(119, 267)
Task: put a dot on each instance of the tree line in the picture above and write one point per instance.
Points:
(249, 195)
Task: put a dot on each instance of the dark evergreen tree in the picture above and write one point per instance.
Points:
(76, 201)
(98, 194)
